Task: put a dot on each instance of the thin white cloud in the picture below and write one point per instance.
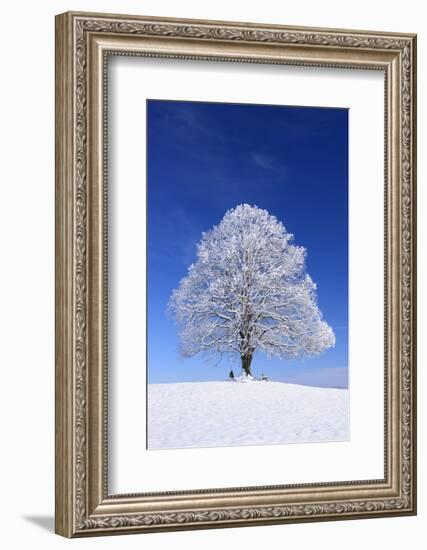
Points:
(263, 160)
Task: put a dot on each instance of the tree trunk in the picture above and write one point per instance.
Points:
(246, 363)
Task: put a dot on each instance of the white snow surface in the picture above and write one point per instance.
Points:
(216, 414)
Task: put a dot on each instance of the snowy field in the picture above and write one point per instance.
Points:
(215, 414)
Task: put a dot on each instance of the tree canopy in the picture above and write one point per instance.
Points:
(248, 291)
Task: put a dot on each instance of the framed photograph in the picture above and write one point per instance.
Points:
(235, 274)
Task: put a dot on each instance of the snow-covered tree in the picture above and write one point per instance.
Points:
(248, 290)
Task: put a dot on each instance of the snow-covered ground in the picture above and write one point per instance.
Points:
(214, 414)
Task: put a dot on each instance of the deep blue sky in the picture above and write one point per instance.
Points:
(205, 158)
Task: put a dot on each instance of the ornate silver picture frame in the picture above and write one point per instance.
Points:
(84, 43)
